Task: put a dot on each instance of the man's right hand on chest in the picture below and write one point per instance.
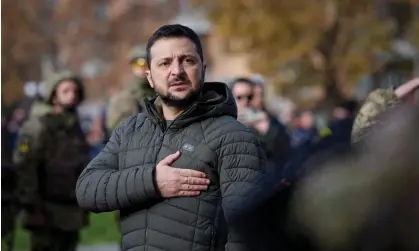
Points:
(175, 182)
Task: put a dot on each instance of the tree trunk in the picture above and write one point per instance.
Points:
(331, 84)
(333, 95)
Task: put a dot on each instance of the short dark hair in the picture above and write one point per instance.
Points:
(242, 80)
(174, 31)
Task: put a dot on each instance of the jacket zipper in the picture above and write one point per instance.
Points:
(161, 125)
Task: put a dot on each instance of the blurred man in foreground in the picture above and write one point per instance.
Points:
(368, 198)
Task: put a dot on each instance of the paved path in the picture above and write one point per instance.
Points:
(105, 247)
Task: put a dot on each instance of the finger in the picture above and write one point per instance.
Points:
(189, 193)
(170, 158)
(191, 173)
(197, 181)
(188, 187)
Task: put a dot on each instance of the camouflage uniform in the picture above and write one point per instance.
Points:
(128, 101)
(52, 153)
(376, 103)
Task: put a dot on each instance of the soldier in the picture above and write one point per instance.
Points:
(10, 203)
(128, 101)
(51, 155)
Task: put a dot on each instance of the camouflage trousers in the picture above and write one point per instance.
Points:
(54, 239)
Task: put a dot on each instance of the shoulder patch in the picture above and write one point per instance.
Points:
(324, 132)
(24, 144)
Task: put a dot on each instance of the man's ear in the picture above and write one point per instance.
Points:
(149, 78)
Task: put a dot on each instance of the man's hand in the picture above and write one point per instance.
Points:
(175, 182)
(407, 88)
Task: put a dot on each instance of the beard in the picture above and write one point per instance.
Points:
(179, 102)
(173, 101)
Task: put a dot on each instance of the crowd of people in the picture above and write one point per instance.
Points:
(199, 166)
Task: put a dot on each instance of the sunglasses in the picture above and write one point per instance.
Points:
(247, 97)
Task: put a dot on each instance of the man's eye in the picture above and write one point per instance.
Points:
(164, 64)
(189, 61)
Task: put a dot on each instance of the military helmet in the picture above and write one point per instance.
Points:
(137, 55)
(56, 79)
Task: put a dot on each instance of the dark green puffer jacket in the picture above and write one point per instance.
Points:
(211, 140)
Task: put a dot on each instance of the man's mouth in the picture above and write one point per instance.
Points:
(178, 83)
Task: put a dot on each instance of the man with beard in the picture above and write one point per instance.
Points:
(52, 152)
(185, 175)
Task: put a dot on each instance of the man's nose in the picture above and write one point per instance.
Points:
(73, 95)
(243, 102)
(176, 68)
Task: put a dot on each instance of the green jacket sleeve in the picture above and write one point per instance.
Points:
(29, 156)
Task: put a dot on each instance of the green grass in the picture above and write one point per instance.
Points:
(102, 229)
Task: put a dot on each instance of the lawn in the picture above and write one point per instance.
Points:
(102, 229)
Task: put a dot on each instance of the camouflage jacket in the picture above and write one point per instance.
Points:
(374, 106)
(126, 103)
(51, 157)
